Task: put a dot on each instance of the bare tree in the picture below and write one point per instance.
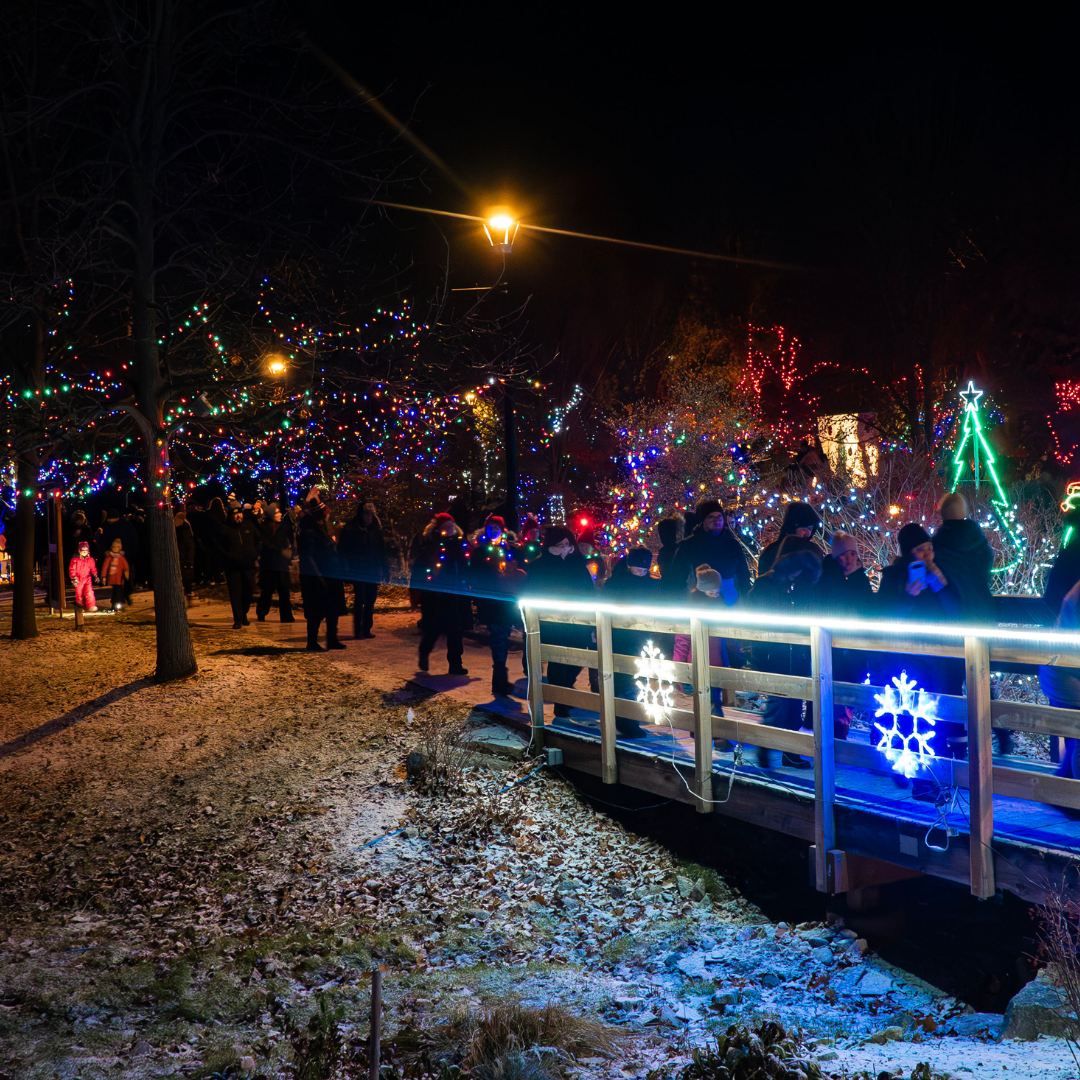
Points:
(190, 136)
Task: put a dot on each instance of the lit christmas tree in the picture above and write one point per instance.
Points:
(974, 461)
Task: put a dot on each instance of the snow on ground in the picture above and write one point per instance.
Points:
(183, 868)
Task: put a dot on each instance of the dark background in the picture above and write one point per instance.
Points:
(735, 132)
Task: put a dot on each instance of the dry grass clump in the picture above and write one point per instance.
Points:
(510, 1041)
(438, 766)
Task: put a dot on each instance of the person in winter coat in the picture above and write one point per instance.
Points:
(966, 559)
(670, 532)
(362, 548)
(80, 532)
(712, 543)
(708, 591)
(1065, 572)
(800, 519)
(631, 584)
(321, 590)
(845, 592)
(237, 543)
(83, 570)
(185, 548)
(560, 573)
(495, 582)
(441, 571)
(275, 559)
(115, 573)
(593, 556)
(913, 587)
(787, 588)
(113, 528)
(1061, 685)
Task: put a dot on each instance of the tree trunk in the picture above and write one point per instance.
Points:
(175, 653)
(23, 616)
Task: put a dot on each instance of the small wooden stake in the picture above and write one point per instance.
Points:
(78, 616)
(376, 1021)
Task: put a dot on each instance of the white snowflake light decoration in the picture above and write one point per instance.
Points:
(655, 680)
(907, 750)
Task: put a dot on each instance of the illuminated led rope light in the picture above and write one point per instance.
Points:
(1067, 644)
(907, 751)
(972, 433)
(1070, 502)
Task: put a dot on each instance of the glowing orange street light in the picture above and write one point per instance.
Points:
(501, 231)
(276, 365)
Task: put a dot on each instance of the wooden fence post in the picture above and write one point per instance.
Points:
(536, 685)
(980, 767)
(609, 768)
(824, 754)
(703, 736)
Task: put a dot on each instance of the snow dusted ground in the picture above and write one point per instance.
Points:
(183, 868)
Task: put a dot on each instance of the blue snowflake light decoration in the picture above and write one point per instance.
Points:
(906, 750)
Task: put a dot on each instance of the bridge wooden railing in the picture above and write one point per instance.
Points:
(980, 648)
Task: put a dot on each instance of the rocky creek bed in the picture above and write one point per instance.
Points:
(188, 872)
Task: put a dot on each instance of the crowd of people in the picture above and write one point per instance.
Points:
(460, 579)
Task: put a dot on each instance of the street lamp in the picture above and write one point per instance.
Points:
(276, 365)
(501, 229)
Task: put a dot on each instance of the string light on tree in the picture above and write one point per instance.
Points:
(973, 442)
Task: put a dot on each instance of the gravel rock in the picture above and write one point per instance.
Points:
(978, 1026)
(1038, 1009)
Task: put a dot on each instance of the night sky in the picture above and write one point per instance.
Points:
(727, 132)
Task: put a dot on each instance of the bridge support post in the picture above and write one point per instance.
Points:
(824, 754)
(703, 733)
(980, 767)
(609, 767)
(536, 681)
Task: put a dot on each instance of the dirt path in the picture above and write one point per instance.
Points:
(189, 872)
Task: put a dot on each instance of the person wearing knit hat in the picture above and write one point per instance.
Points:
(965, 557)
(913, 587)
(560, 573)
(800, 519)
(707, 581)
(844, 590)
(630, 584)
(713, 543)
(911, 536)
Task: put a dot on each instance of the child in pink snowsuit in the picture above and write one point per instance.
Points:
(82, 570)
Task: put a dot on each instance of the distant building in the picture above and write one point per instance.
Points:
(850, 443)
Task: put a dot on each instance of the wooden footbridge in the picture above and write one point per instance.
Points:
(1006, 823)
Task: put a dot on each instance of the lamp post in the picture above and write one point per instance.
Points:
(277, 367)
(501, 231)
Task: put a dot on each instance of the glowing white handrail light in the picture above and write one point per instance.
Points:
(1068, 642)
